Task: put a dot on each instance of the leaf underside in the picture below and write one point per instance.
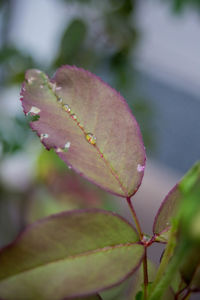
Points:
(70, 254)
(89, 125)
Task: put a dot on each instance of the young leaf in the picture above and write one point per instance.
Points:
(89, 125)
(169, 206)
(70, 254)
(167, 210)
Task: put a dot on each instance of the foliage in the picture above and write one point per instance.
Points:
(79, 253)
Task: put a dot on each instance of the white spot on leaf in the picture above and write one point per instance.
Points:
(34, 110)
(59, 150)
(52, 86)
(58, 88)
(67, 145)
(30, 79)
(140, 168)
(44, 136)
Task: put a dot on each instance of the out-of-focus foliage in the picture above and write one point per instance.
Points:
(180, 5)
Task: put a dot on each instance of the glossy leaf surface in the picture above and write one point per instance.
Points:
(91, 250)
(89, 125)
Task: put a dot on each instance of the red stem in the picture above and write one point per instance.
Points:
(137, 223)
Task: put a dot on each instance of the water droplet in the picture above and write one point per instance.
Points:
(67, 145)
(58, 88)
(38, 71)
(91, 138)
(30, 80)
(140, 168)
(66, 108)
(69, 167)
(43, 136)
(58, 150)
(80, 125)
(59, 100)
(41, 86)
(52, 86)
(73, 116)
(34, 110)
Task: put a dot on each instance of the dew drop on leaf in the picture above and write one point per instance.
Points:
(59, 100)
(52, 86)
(73, 116)
(58, 150)
(67, 145)
(58, 88)
(30, 80)
(80, 125)
(34, 110)
(66, 108)
(43, 136)
(91, 138)
(140, 168)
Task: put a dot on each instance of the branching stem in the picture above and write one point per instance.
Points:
(137, 223)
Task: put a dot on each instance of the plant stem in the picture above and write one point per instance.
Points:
(166, 257)
(187, 295)
(137, 223)
(145, 273)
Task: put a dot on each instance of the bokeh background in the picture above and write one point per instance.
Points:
(147, 50)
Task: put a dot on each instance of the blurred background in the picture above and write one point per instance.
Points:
(147, 50)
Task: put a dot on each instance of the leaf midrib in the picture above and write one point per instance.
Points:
(100, 153)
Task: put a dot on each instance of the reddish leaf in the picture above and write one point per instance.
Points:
(70, 254)
(89, 125)
(169, 206)
(167, 210)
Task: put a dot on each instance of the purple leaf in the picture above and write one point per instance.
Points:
(89, 125)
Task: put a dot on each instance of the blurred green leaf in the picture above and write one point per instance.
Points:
(72, 42)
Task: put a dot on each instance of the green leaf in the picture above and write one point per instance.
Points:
(195, 282)
(69, 254)
(190, 269)
(139, 296)
(72, 41)
(89, 125)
